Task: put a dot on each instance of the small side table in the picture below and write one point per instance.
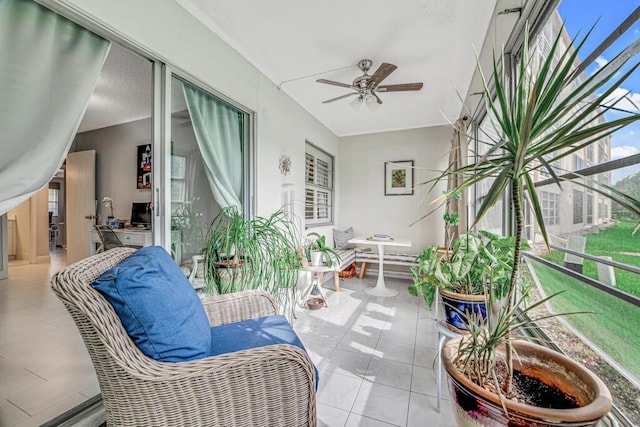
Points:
(316, 279)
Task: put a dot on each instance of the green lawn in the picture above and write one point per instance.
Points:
(613, 326)
(611, 242)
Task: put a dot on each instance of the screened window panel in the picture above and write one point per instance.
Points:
(607, 226)
(493, 219)
(322, 205)
(319, 186)
(310, 168)
(309, 202)
(323, 173)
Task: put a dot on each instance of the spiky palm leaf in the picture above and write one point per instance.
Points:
(540, 117)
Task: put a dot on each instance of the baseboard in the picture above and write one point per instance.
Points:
(396, 274)
(42, 259)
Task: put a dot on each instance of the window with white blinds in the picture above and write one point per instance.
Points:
(318, 206)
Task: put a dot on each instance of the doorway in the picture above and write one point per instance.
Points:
(42, 352)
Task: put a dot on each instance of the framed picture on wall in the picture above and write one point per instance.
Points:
(143, 181)
(398, 178)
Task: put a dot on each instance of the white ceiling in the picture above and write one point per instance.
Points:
(123, 92)
(295, 42)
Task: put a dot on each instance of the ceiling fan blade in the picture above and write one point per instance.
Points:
(382, 73)
(339, 97)
(331, 82)
(377, 97)
(400, 87)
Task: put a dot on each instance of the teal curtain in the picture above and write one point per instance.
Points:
(48, 69)
(218, 130)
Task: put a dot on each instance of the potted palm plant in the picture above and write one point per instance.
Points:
(540, 116)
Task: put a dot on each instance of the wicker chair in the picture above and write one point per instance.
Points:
(267, 386)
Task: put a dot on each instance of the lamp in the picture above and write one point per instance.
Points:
(371, 101)
(367, 97)
(357, 102)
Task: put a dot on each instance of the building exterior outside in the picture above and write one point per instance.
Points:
(571, 209)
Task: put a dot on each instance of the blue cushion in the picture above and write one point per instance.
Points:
(158, 306)
(253, 333)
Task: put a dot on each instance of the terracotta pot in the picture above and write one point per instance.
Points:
(315, 303)
(229, 276)
(455, 304)
(476, 406)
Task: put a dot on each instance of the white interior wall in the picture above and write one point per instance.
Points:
(174, 36)
(283, 128)
(116, 164)
(362, 202)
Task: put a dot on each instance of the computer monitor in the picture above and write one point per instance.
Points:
(141, 214)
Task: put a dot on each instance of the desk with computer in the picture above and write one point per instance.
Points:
(136, 234)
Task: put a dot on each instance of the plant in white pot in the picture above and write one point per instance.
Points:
(541, 115)
(317, 250)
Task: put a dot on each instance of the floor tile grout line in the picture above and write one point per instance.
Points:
(39, 376)
(17, 407)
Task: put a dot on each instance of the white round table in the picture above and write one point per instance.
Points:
(380, 290)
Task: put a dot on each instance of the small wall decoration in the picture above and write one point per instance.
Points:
(144, 167)
(285, 165)
(398, 178)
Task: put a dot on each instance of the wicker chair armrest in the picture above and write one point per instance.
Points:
(222, 389)
(238, 306)
(221, 364)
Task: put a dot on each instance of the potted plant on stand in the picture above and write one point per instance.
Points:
(317, 250)
(463, 275)
(540, 116)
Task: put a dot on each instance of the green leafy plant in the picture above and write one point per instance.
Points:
(541, 115)
(259, 253)
(467, 268)
(317, 242)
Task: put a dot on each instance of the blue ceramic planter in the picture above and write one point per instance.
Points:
(112, 222)
(456, 304)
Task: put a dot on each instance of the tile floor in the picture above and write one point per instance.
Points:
(375, 355)
(44, 367)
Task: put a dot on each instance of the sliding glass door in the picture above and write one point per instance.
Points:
(207, 148)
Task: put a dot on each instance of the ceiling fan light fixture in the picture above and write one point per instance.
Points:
(372, 105)
(367, 85)
(356, 103)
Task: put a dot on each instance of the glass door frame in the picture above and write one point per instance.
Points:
(162, 103)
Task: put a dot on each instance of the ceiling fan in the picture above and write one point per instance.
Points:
(368, 86)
